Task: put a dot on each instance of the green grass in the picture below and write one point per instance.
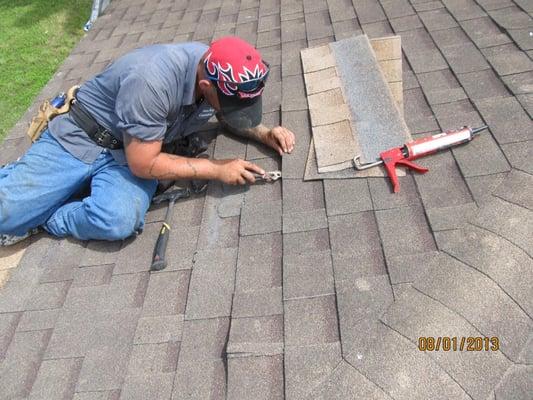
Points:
(35, 37)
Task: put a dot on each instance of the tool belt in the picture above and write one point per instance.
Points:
(47, 112)
(100, 135)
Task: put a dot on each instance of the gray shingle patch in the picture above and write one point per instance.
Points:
(522, 38)
(513, 222)
(368, 11)
(519, 83)
(482, 156)
(47, 296)
(464, 58)
(307, 275)
(479, 300)
(294, 163)
(93, 276)
(517, 188)
(292, 30)
(383, 197)
(485, 251)
(204, 379)
(104, 367)
(346, 382)
(203, 340)
(404, 231)
(255, 378)
(159, 329)
(258, 218)
(148, 386)
(416, 315)
(427, 6)
(409, 267)
(32, 321)
(19, 367)
(341, 10)
(441, 87)
(355, 249)
(166, 293)
(509, 63)
(516, 384)
(318, 25)
(306, 367)
(506, 119)
(56, 379)
(136, 253)
(397, 8)
(406, 23)
(76, 333)
(364, 298)
(297, 101)
(482, 187)
(482, 84)
(304, 221)
(454, 217)
(443, 173)
(311, 321)
(257, 303)
(377, 29)
(485, 33)
(256, 336)
(259, 262)
(302, 196)
(382, 364)
(347, 196)
(527, 102)
(290, 51)
(520, 155)
(511, 18)
(464, 9)
(100, 252)
(304, 242)
(212, 284)
(217, 232)
(153, 358)
(449, 37)
(437, 19)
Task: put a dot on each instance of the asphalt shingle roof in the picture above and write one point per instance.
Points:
(302, 290)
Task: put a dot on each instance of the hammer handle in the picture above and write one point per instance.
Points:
(158, 259)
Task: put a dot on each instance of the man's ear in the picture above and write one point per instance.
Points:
(205, 85)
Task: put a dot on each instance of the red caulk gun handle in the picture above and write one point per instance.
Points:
(393, 157)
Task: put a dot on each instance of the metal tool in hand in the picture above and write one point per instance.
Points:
(269, 176)
(158, 259)
(416, 149)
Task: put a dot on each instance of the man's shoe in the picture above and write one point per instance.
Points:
(9, 240)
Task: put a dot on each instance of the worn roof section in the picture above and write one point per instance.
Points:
(303, 289)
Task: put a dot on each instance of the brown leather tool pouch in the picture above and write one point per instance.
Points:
(47, 112)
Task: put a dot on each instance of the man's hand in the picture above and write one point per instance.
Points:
(280, 139)
(237, 172)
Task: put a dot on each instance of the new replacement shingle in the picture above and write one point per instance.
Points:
(331, 112)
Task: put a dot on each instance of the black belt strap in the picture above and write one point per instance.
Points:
(100, 135)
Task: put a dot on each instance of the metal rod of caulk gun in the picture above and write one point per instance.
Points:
(477, 131)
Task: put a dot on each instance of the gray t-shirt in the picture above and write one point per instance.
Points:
(148, 94)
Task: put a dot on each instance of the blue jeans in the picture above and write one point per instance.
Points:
(37, 191)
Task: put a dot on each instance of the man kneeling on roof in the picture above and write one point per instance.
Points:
(112, 139)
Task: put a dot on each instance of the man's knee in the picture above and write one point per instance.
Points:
(116, 224)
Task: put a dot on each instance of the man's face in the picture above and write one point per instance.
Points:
(209, 92)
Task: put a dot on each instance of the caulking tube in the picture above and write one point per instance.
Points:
(441, 141)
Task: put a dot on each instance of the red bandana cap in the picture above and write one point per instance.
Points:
(239, 74)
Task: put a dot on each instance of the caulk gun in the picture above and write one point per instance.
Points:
(418, 148)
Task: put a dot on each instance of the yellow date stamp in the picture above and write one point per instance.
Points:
(458, 343)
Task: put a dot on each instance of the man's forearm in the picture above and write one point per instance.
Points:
(172, 167)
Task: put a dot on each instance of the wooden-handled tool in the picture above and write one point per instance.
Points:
(159, 261)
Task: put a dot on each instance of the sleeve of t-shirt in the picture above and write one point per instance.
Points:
(140, 109)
